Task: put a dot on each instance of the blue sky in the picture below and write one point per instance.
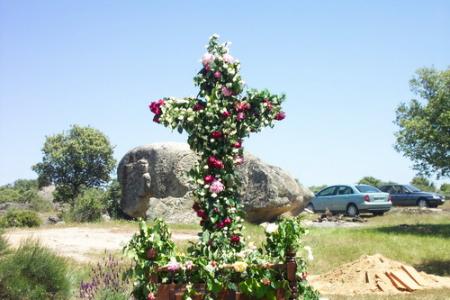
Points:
(344, 65)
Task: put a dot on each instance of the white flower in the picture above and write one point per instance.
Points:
(309, 251)
(271, 228)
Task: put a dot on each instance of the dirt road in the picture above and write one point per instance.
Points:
(81, 243)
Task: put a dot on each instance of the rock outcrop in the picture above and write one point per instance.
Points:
(155, 184)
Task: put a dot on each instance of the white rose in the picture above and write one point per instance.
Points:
(271, 228)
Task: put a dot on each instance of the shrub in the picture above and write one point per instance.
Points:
(20, 218)
(8, 194)
(106, 282)
(40, 204)
(112, 200)
(89, 206)
(33, 272)
(3, 244)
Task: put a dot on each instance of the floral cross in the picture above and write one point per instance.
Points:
(217, 120)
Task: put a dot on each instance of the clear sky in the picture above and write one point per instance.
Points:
(344, 65)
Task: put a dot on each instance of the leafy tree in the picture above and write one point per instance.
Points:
(317, 188)
(370, 181)
(425, 125)
(423, 183)
(79, 158)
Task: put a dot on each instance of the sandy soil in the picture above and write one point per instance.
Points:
(81, 243)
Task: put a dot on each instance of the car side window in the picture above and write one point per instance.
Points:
(401, 189)
(344, 190)
(327, 192)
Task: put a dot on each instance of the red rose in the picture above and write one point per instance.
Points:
(280, 116)
(201, 213)
(215, 163)
(220, 225)
(196, 206)
(237, 144)
(226, 114)
(235, 239)
(155, 106)
(151, 253)
(209, 178)
(198, 106)
(216, 134)
(227, 221)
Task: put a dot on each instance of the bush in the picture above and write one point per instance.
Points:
(41, 205)
(33, 272)
(89, 206)
(3, 244)
(20, 218)
(106, 281)
(112, 200)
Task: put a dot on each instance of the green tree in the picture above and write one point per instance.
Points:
(370, 181)
(423, 183)
(425, 124)
(79, 158)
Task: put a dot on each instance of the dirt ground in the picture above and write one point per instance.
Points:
(80, 243)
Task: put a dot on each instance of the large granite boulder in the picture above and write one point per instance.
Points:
(155, 184)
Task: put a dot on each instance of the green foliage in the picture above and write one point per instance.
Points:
(22, 190)
(370, 181)
(445, 190)
(150, 249)
(81, 157)
(33, 272)
(20, 218)
(317, 188)
(3, 243)
(425, 125)
(423, 184)
(112, 199)
(89, 206)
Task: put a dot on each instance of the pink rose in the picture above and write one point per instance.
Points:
(151, 296)
(207, 58)
(216, 187)
(240, 116)
(217, 75)
(242, 106)
(228, 58)
(268, 104)
(280, 116)
(173, 266)
(226, 91)
(238, 160)
(189, 265)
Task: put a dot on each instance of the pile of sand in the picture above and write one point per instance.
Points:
(376, 274)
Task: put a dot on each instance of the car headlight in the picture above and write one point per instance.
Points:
(436, 197)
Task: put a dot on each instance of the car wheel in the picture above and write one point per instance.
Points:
(352, 210)
(422, 203)
(310, 207)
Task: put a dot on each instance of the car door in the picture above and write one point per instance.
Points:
(401, 196)
(342, 198)
(324, 199)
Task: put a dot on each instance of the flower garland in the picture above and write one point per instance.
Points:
(216, 121)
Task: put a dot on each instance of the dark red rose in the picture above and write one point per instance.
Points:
(237, 144)
(216, 134)
(215, 163)
(280, 116)
(227, 221)
(209, 178)
(151, 253)
(198, 106)
(201, 213)
(155, 106)
(226, 114)
(196, 206)
(235, 239)
(220, 225)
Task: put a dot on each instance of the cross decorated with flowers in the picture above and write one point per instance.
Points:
(217, 121)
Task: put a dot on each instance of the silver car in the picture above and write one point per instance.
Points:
(351, 199)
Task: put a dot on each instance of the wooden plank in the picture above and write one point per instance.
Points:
(397, 282)
(414, 275)
(384, 283)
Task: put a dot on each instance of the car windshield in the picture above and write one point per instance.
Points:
(412, 188)
(367, 189)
